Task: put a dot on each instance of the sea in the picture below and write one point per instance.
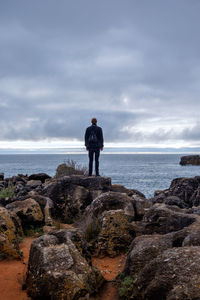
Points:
(145, 172)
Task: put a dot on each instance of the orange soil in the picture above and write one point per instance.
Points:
(12, 275)
(13, 272)
(110, 268)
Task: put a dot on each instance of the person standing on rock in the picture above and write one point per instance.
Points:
(93, 144)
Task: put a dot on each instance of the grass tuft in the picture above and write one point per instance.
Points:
(70, 167)
(8, 192)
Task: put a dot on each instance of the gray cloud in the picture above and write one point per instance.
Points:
(133, 64)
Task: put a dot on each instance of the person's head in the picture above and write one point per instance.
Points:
(94, 121)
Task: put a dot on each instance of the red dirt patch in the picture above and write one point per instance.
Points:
(109, 268)
(12, 274)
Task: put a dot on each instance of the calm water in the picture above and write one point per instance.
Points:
(144, 172)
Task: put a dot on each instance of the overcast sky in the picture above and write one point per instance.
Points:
(132, 64)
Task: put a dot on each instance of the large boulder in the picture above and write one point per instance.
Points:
(172, 275)
(116, 233)
(163, 219)
(10, 230)
(107, 223)
(183, 192)
(190, 160)
(28, 211)
(59, 268)
(111, 201)
(178, 228)
(72, 194)
(143, 249)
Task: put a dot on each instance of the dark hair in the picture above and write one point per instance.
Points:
(94, 121)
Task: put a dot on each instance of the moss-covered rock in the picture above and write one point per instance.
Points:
(57, 270)
(9, 234)
(28, 211)
(116, 234)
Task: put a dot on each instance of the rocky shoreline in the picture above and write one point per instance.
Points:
(159, 236)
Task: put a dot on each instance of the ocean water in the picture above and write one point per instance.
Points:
(144, 172)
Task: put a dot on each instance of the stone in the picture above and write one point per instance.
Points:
(39, 176)
(143, 249)
(141, 205)
(190, 160)
(169, 200)
(34, 183)
(111, 201)
(71, 195)
(107, 223)
(174, 200)
(58, 270)
(10, 230)
(67, 170)
(174, 274)
(28, 211)
(185, 189)
(116, 233)
(46, 205)
(164, 219)
(2, 176)
(121, 189)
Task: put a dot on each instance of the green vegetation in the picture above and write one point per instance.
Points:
(21, 253)
(125, 286)
(34, 231)
(8, 192)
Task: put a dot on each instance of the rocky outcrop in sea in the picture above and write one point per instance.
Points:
(160, 236)
(190, 160)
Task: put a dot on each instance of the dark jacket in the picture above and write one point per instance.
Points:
(99, 134)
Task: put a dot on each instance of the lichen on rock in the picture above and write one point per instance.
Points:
(9, 234)
(57, 270)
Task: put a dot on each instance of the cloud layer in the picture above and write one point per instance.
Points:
(132, 64)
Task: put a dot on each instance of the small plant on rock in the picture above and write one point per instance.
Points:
(125, 286)
(70, 167)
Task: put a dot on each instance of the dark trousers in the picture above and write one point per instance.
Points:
(91, 154)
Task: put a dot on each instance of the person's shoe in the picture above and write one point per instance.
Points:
(89, 174)
(97, 175)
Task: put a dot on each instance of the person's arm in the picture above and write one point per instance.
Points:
(101, 139)
(86, 138)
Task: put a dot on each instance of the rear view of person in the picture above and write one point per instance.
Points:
(94, 143)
